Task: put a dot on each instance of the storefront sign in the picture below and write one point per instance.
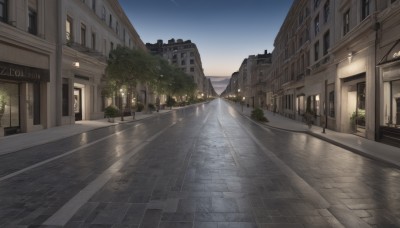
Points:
(23, 73)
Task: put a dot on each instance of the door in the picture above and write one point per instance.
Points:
(78, 104)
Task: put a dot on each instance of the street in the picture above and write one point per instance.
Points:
(204, 166)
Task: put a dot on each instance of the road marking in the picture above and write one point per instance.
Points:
(65, 213)
(299, 183)
(61, 155)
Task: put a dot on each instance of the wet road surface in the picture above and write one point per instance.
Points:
(204, 167)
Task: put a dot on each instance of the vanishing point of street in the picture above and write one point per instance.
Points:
(204, 166)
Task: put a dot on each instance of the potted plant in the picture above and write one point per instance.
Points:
(111, 112)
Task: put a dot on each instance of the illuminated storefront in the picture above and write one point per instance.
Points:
(20, 97)
(389, 121)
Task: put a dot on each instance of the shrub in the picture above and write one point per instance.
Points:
(151, 107)
(111, 111)
(258, 115)
(170, 101)
(139, 107)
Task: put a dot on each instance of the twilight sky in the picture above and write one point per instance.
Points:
(225, 31)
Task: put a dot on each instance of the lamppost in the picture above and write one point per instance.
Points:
(121, 102)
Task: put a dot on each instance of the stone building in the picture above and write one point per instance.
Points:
(56, 59)
(28, 34)
(184, 55)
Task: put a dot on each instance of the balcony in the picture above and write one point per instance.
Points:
(85, 50)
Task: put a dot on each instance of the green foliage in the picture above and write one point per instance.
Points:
(358, 118)
(111, 111)
(258, 115)
(139, 107)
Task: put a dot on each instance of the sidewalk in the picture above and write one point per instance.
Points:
(354, 143)
(21, 141)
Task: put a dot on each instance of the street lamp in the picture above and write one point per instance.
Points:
(122, 98)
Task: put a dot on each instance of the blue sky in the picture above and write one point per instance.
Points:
(225, 31)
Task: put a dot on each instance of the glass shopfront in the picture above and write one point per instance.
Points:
(392, 104)
(9, 108)
(20, 92)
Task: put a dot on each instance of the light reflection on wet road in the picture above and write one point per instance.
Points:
(204, 166)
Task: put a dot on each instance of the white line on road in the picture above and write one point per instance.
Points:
(65, 213)
(60, 156)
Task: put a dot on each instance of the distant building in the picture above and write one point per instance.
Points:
(185, 56)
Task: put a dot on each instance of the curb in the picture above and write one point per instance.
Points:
(336, 143)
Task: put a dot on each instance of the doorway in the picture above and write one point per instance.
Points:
(78, 104)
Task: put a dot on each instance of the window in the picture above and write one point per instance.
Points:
(183, 62)
(316, 3)
(313, 104)
(117, 27)
(110, 21)
(192, 61)
(346, 22)
(94, 5)
(103, 13)
(316, 51)
(364, 9)
(83, 35)
(191, 54)
(124, 34)
(93, 41)
(316, 25)
(68, 30)
(331, 104)
(191, 69)
(32, 22)
(3, 10)
(326, 43)
(301, 18)
(111, 46)
(182, 55)
(326, 11)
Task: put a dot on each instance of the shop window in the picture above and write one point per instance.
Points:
(3, 10)
(36, 103)
(313, 105)
(65, 97)
(300, 105)
(331, 104)
(32, 22)
(392, 103)
(9, 107)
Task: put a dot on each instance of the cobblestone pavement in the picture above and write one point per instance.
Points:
(202, 167)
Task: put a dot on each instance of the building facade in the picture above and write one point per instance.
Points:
(56, 58)
(27, 65)
(185, 56)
